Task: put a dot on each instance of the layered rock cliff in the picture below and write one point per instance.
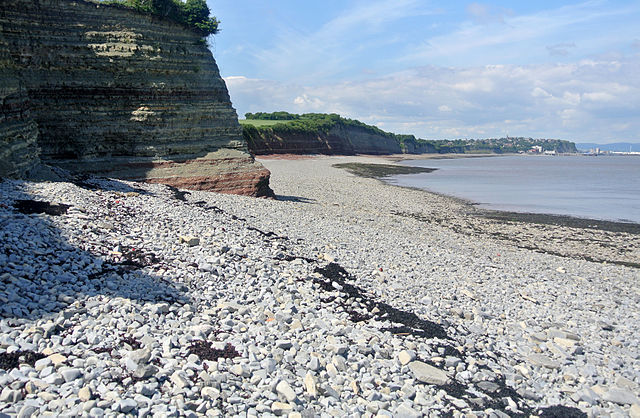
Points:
(112, 92)
(339, 140)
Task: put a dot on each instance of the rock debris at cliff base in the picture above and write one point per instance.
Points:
(311, 305)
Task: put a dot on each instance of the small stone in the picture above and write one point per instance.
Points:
(47, 396)
(144, 372)
(620, 396)
(490, 387)
(70, 375)
(26, 411)
(405, 357)
(30, 387)
(190, 240)
(10, 396)
(625, 383)
(544, 361)
(179, 380)
(84, 394)
(280, 408)
(284, 344)
(404, 411)
(208, 392)
(96, 412)
(141, 356)
(237, 369)
(408, 390)
(310, 384)
(284, 389)
(634, 411)
(428, 374)
(57, 359)
(565, 342)
(127, 405)
(314, 364)
(42, 363)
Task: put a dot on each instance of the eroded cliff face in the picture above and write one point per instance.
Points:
(121, 94)
(340, 140)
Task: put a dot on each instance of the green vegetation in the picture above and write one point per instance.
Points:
(194, 14)
(259, 122)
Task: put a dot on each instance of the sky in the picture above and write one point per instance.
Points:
(440, 69)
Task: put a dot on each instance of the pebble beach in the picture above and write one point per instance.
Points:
(343, 297)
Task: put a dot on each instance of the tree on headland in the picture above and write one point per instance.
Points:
(194, 14)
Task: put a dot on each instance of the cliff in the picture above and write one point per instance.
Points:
(339, 140)
(112, 92)
(318, 133)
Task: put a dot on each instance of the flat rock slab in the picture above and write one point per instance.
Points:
(429, 374)
(543, 361)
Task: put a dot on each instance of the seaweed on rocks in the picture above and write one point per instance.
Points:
(558, 411)
(178, 194)
(203, 205)
(29, 207)
(206, 351)
(10, 361)
(498, 397)
(411, 323)
(131, 342)
(135, 258)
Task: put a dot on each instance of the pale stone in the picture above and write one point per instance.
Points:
(310, 384)
(84, 394)
(57, 359)
(405, 357)
(284, 389)
(544, 361)
(281, 408)
(428, 374)
(620, 396)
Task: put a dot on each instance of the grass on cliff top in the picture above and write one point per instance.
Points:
(261, 122)
(380, 170)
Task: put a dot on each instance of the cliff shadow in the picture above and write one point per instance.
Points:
(296, 199)
(47, 173)
(43, 273)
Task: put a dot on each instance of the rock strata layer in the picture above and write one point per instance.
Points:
(117, 93)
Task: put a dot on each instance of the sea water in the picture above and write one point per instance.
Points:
(595, 187)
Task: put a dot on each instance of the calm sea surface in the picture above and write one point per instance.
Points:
(602, 187)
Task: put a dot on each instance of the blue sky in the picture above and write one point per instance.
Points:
(436, 69)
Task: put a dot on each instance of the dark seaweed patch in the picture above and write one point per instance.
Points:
(29, 207)
(205, 350)
(410, 322)
(10, 361)
(178, 194)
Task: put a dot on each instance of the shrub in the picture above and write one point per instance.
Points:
(194, 14)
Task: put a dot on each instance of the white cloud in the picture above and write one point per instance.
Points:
(561, 49)
(539, 92)
(502, 40)
(581, 101)
(329, 50)
(599, 96)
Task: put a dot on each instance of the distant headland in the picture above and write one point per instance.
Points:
(332, 134)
